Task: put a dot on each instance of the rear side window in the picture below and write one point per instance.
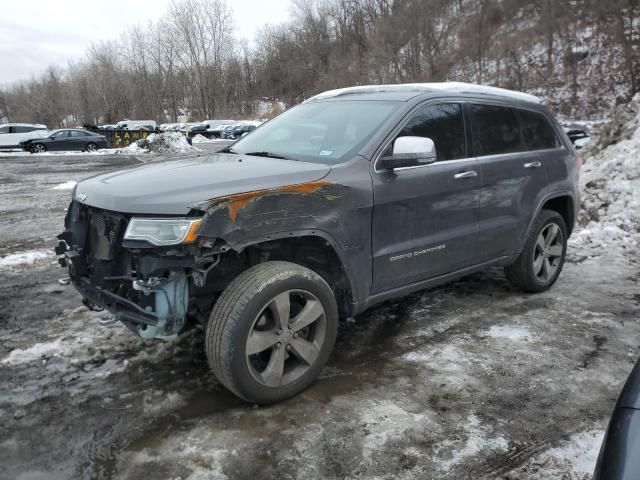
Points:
(75, 133)
(22, 129)
(496, 130)
(4, 129)
(538, 132)
(444, 125)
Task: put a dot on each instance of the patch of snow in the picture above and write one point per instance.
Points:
(385, 421)
(33, 353)
(516, 334)
(477, 440)
(575, 459)
(65, 186)
(25, 258)
(580, 452)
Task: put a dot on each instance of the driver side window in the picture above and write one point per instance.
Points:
(443, 123)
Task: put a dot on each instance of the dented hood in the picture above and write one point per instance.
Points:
(171, 188)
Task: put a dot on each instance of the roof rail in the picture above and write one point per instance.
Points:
(453, 87)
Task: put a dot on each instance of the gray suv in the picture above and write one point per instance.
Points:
(354, 197)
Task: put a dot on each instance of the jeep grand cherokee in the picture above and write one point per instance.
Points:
(352, 198)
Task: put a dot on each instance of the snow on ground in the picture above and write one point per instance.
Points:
(202, 139)
(577, 455)
(508, 332)
(65, 186)
(25, 258)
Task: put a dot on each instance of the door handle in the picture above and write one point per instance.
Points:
(468, 174)
(533, 165)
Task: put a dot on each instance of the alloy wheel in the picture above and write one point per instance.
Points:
(547, 255)
(286, 338)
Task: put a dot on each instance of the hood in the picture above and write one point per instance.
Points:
(172, 187)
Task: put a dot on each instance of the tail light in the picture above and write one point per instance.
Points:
(579, 161)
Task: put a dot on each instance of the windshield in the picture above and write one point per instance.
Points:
(323, 132)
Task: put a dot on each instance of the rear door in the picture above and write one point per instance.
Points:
(425, 217)
(77, 140)
(512, 177)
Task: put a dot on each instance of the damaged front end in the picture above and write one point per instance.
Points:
(146, 282)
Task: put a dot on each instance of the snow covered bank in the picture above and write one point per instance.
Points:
(610, 189)
(168, 142)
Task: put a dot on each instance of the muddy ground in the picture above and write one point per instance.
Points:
(471, 380)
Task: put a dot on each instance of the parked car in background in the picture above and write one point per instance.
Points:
(11, 134)
(200, 129)
(619, 457)
(217, 132)
(578, 137)
(240, 131)
(136, 125)
(65, 139)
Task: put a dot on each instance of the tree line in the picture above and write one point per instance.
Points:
(581, 55)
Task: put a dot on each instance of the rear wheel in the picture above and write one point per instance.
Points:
(541, 261)
(91, 147)
(272, 331)
(38, 148)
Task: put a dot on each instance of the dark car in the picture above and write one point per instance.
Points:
(238, 131)
(352, 198)
(67, 139)
(619, 457)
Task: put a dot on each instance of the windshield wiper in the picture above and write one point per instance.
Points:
(269, 155)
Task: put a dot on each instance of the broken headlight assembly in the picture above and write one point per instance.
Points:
(163, 231)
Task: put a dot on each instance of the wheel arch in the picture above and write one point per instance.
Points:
(316, 250)
(562, 202)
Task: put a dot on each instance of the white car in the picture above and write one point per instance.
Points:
(11, 134)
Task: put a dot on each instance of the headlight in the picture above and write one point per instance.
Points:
(163, 231)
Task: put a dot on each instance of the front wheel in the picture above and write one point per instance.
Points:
(542, 258)
(272, 331)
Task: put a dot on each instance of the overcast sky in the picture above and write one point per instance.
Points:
(38, 33)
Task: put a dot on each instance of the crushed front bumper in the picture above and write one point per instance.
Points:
(146, 291)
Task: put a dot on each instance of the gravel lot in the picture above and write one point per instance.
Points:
(471, 380)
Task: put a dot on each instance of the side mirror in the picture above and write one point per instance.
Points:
(409, 152)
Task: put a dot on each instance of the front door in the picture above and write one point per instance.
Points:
(425, 217)
(59, 141)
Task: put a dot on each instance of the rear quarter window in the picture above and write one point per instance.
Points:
(496, 130)
(538, 132)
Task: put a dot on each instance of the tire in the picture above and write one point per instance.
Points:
(91, 147)
(38, 148)
(247, 317)
(542, 258)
